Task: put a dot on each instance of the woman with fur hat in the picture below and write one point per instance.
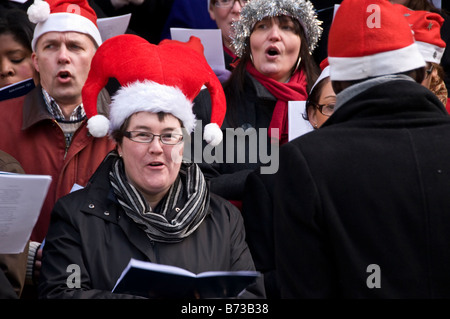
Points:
(144, 201)
(274, 40)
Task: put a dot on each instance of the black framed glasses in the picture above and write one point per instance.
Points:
(325, 109)
(147, 137)
(229, 3)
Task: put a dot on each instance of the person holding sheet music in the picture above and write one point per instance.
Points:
(144, 201)
(224, 12)
(46, 129)
(275, 66)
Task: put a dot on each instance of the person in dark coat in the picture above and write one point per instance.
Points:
(257, 203)
(144, 201)
(273, 41)
(361, 204)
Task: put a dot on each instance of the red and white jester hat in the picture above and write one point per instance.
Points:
(63, 16)
(370, 38)
(155, 78)
(426, 27)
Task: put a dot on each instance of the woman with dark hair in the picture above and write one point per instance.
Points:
(274, 40)
(321, 100)
(16, 32)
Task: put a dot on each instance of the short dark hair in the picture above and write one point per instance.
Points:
(314, 96)
(15, 21)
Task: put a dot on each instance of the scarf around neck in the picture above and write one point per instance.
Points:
(177, 215)
(294, 90)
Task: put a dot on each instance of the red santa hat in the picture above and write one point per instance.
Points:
(426, 27)
(63, 16)
(154, 78)
(370, 38)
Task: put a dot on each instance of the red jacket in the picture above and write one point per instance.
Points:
(34, 138)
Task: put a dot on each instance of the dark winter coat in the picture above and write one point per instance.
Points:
(361, 206)
(90, 229)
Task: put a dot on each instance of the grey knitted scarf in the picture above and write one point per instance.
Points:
(178, 214)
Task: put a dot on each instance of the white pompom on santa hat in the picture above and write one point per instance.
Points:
(63, 16)
(370, 38)
(426, 27)
(154, 78)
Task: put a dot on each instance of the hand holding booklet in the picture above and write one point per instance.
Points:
(16, 89)
(152, 280)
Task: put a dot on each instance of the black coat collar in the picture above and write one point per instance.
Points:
(388, 101)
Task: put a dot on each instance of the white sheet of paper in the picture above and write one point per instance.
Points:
(437, 3)
(211, 40)
(297, 124)
(21, 199)
(76, 187)
(112, 26)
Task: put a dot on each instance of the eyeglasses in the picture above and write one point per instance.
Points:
(325, 109)
(147, 137)
(229, 3)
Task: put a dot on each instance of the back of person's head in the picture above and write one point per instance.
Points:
(15, 21)
(371, 38)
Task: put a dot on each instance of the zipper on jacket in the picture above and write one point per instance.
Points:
(66, 150)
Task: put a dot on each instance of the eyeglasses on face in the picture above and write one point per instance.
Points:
(229, 3)
(325, 109)
(147, 137)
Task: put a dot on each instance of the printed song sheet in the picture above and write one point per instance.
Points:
(112, 26)
(297, 124)
(21, 199)
(211, 40)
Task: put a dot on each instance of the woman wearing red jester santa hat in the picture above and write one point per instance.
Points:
(144, 201)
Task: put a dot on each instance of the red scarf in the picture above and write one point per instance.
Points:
(231, 54)
(294, 90)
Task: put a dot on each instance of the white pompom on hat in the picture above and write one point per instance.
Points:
(63, 16)
(154, 78)
(370, 38)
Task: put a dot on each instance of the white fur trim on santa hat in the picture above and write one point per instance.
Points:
(213, 134)
(38, 11)
(430, 52)
(152, 97)
(64, 22)
(390, 62)
(325, 73)
(98, 125)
